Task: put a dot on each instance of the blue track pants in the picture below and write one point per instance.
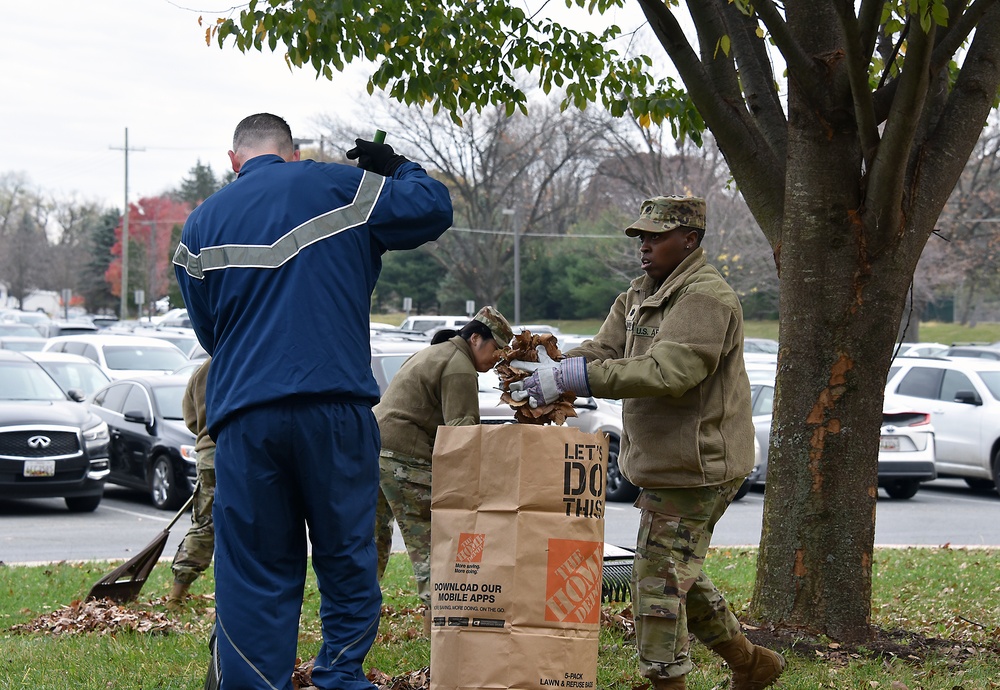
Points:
(280, 468)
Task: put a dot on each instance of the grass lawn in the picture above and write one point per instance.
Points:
(936, 613)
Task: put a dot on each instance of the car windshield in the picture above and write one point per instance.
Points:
(168, 400)
(83, 376)
(992, 381)
(27, 381)
(148, 358)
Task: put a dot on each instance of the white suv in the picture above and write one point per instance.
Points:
(963, 397)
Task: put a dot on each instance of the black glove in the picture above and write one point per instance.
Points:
(376, 158)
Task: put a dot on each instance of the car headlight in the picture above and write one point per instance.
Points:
(96, 436)
(189, 453)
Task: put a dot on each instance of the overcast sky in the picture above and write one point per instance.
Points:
(75, 74)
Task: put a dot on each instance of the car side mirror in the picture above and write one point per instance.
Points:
(968, 398)
(138, 417)
(76, 395)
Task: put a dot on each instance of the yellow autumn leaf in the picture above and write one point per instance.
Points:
(208, 37)
(260, 29)
(645, 121)
(383, 28)
(760, 32)
(311, 13)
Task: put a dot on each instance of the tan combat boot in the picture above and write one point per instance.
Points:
(677, 683)
(175, 600)
(753, 667)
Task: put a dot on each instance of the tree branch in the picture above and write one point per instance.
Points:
(801, 66)
(869, 20)
(749, 156)
(757, 77)
(947, 149)
(857, 73)
(889, 169)
(955, 34)
(711, 27)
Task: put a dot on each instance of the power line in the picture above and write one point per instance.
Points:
(550, 235)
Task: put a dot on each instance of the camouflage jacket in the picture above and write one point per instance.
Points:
(436, 386)
(674, 354)
(193, 405)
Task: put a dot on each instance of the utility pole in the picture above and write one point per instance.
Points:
(123, 313)
(515, 227)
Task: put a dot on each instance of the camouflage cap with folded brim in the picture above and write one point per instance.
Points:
(495, 321)
(664, 213)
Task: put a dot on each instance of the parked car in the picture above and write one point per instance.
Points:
(907, 450)
(183, 338)
(21, 343)
(963, 398)
(78, 376)
(972, 352)
(595, 414)
(52, 329)
(50, 446)
(122, 356)
(151, 448)
(762, 346)
(18, 329)
(426, 324)
(175, 318)
(920, 349)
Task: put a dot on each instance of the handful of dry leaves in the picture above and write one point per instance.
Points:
(522, 348)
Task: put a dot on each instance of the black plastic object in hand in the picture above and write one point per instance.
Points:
(376, 158)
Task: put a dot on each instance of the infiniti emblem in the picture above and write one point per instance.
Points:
(37, 442)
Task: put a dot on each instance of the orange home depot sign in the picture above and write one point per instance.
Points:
(573, 582)
(470, 548)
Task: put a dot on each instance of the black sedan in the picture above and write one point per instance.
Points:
(50, 446)
(151, 448)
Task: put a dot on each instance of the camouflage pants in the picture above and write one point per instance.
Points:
(383, 532)
(406, 483)
(671, 594)
(194, 554)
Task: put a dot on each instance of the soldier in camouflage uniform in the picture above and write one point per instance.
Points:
(437, 386)
(194, 554)
(672, 350)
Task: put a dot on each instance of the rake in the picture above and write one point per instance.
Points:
(124, 582)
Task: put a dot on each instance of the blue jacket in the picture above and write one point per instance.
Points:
(277, 270)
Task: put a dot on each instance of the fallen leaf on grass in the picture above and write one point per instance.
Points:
(103, 617)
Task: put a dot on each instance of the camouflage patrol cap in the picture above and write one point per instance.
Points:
(494, 320)
(664, 213)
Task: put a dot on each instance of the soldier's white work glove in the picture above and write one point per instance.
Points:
(549, 379)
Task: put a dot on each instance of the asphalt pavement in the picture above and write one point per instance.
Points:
(42, 531)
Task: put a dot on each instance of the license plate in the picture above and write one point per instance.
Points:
(889, 443)
(39, 468)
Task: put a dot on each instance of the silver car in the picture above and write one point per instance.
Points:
(906, 455)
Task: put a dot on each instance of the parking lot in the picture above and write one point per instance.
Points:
(944, 512)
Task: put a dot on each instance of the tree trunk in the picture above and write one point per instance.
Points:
(841, 308)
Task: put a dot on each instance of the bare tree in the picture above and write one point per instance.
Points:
(23, 219)
(507, 175)
(969, 224)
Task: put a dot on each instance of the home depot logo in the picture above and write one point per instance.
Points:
(470, 547)
(573, 582)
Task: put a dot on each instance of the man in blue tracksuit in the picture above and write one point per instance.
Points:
(277, 271)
